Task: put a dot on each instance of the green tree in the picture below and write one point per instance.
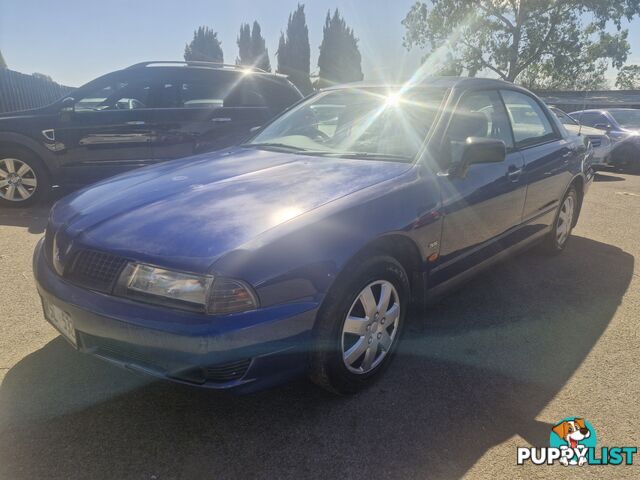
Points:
(244, 46)
(628, 78)
(259, 50)
(294, 53)
(252, 50)
(547, 41)
(205, 46)
(3, 64)
(340, 60)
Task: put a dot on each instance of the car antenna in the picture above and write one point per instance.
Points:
(584, 106)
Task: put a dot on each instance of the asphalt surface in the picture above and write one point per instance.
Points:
(519, 348)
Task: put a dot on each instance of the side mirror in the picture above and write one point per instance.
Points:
(602, 126)
(68, 105)
(478, 150)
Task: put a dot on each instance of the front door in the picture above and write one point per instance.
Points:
(481, 208)
(108, 130)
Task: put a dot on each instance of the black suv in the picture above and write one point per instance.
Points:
(147, 113)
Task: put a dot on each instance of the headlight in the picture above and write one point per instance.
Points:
(187, 291)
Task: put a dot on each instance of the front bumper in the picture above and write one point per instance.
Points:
(244, 352)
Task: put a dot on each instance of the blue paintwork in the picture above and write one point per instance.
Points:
(288, 225)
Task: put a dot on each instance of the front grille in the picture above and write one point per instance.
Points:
(96, 270)
(226, 371)
(596, 141)
(129, 353)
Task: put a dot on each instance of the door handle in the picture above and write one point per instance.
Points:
(221, 119)
(136, 122)
(514, 173)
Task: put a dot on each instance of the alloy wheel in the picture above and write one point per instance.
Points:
(565, 220)
(370, 327)
(18, 181)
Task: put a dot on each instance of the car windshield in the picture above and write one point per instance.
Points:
(563, 117)
(627, 118)
(357, 123)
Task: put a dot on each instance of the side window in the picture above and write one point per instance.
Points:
(245, 93)
(278, 95)
(197, 90)
(480, 114)
(528, 120)
(122, 93)
(591, 119)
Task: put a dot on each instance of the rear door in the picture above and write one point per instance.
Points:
(547, 157)
(204, 110)
(108, 130)
(481, 207)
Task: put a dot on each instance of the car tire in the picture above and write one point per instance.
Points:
(353, 343)
(24, 179)
(557, 239)
(626, 159)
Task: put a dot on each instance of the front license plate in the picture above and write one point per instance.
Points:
(61, 320)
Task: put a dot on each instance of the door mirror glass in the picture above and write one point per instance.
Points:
(479, 150)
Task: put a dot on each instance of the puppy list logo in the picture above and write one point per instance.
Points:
(572, 441)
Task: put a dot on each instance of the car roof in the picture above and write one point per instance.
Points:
(603, 110)
(442, 82)
(181, 65)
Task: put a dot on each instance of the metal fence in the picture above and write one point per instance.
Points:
(19, 91)
(600, 99)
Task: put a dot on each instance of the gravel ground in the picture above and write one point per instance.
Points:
(524, 345)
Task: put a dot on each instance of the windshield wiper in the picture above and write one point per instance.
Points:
(371, 156)
(274, 145)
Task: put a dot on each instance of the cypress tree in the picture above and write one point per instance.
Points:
(205, 46)
(244, 46)
(340, 60)
(294, 53)
(259, 51)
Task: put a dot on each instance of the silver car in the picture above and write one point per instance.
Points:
(622, 125)
(601, 142)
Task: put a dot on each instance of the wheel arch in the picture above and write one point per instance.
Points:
(578, 184)
(11, 139)
(403, 249)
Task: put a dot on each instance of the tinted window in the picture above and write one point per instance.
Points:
(627, 118)
(528, 120)
(213, 90)
(590, 118)
(116, 93)
(197, 90)
(480, 114)
(278, 94)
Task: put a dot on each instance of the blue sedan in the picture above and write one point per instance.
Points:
(301, 250)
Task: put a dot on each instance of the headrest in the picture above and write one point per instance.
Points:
(468, 124)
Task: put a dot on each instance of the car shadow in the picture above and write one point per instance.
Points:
(492, 356)
(33, 218)
(600, 177)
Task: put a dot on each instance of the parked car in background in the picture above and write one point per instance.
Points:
(144, 114)
(300, 250)
(622, 125)
(600, 141)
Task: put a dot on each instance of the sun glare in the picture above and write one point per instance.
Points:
(393, 100)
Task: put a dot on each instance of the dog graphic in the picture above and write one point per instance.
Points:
(572, 432)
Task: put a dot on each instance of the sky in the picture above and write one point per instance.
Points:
(75, 41)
